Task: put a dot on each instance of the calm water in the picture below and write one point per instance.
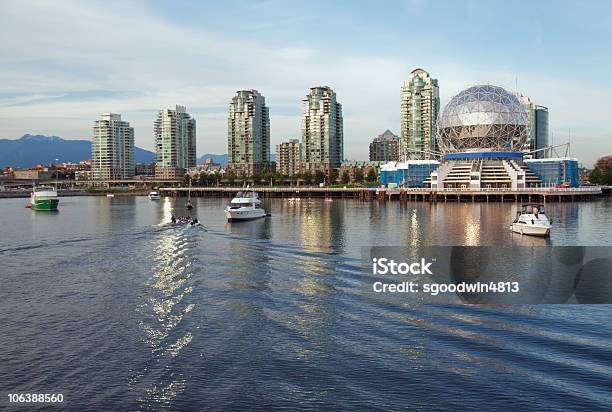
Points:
(104, 303)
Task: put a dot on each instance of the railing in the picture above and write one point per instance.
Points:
(595, 189)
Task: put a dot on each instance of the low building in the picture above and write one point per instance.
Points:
(145, 169)
(32, 174)
(169, 173)
(411, 173)
(556, 171)
(385, 147)
(365, 166)
(288, 157)
(83, 175)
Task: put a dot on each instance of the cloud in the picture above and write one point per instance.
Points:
(76, 60)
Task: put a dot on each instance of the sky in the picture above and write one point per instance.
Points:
(63, 63)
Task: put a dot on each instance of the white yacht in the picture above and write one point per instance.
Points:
(531, 220)
(154, 195)
(245, 206)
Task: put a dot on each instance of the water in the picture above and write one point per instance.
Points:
(105, 304)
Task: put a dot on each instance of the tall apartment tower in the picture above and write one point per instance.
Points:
(420, 104)
(175, 143)
(288, 157)
(248, 134)
(112, 148)
(385, 147)
(537, 137)
(322, 131)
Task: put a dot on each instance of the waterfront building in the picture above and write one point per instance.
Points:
(112, 148)
(33, 174)
(407, 174)
(483, 134)
(322, 131)
(351, 168)
(537, 137)
(175, 143)
(288, 157)
(385, 147)
(420, 104)
(145, 169)
(563, 171)
(248, 134)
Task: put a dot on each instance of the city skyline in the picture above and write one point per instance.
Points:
(57, 83)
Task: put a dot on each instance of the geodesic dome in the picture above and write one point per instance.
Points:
(483, 117)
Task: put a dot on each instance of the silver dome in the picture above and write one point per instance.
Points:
(483, 117)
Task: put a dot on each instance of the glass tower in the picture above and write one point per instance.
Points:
(420, 104)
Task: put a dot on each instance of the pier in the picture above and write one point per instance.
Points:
(401, 195)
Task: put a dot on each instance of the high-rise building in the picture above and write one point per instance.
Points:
(288, 157)
(248, 134)
(385, 147)
(112, 148)
(537, 137)
(420, 104)
(541, 130)
(175, 143)
(322, 131)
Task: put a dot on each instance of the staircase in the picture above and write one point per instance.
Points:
(493, 174)
(459, 175)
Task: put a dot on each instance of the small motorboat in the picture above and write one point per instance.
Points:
(531, 220)
(185, 220)
(154, 195)
(110, 195)
(245, 206)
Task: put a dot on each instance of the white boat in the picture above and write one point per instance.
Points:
(154, 195)
(531, 220)
(245, 206)
(110, 195)
(44, 198)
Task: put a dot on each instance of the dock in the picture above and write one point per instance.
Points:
(402, 195)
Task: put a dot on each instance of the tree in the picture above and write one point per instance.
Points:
(371, 175)
(230, 177)
(595, 176)
(333, 177)
(602, 173)
(186, 179)
(358, 175)
(319, 177)
(346, 177)
(307, 178)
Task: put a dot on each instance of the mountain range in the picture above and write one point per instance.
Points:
(31, 150)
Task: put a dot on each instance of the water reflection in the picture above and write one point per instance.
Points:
(165, 310)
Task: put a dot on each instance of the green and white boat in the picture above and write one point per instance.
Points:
(44, 198)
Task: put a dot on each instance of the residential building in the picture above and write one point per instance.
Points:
(322, 131)
(288, 157)
(175, 143)
(385, 147)
(112, 148)
(248, 134)
(351, 167)
(420, 104)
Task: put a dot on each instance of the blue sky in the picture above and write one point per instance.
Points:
(63, 63)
